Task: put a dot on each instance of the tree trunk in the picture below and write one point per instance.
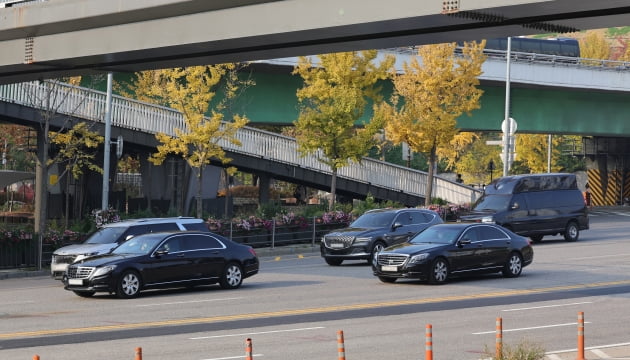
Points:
(432, 162)
(199, 183)
(333, 190)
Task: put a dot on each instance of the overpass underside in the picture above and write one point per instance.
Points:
(608, 169)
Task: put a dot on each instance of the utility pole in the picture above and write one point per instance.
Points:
(107, 145)
(507, 129)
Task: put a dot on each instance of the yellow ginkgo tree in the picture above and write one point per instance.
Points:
(191, 91)
(428, 98)
(336, 92)
(76, 152)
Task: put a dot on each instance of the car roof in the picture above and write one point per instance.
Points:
(395, 210)
(130, 222)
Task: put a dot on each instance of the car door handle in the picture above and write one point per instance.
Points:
(180, 255)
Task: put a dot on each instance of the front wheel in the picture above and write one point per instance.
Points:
(571, 233)
(232, 276)
(439, 272)
(129, 285)
(378, 247)
(513, 266)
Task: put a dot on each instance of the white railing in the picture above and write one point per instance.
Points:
(149, 118)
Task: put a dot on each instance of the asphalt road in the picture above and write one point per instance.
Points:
(297, 304)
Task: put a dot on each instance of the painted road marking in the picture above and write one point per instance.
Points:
(308, 311)
(257, 333)
(233, 357)
(529, 328)
(548, 306)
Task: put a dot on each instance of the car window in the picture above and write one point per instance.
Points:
(437, 235)
(404, 218)
(471, 234)
(198, 241)
(490, 233)
(199, 226)
(376, 219)
(106, 235)
(171, 245)
(139, 245)
(419, 217)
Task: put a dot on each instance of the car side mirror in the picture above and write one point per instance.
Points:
(396, 225)
(465, 241)
(515, 206)
(162, 252)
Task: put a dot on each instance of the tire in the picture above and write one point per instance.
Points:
(572, 232)
(536, 238)
(85, 294)
(377, 247)
(513, 266)
(386, 279)
(232, 276)
(129, 285)
(333, 262)
(438, 272)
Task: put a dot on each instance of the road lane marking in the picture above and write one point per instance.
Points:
(307, 311)
(529, 328)
(256, 333)
(599, 257)
(600, 354)
(234, 357)
(188, 302)
(548, 306)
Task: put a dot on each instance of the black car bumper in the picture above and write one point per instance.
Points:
(416, 271)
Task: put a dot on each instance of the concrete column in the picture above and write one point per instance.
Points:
(263, 188)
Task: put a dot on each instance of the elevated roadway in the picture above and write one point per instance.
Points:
(49, 39)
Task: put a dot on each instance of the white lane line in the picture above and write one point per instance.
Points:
(590, 348)
(552, 357)
(256, 333)
(600, 354)
(529, 328)
(189, 302)
(548, 306)
(233, 357)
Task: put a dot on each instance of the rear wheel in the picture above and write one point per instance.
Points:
(387, 279)
(333, 262)
(439, 272)
(232, 276)
(572, 232)
(129, 285)
(85, 294)
(513, 266)
(536, 238)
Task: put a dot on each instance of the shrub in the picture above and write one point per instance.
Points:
(524, 350)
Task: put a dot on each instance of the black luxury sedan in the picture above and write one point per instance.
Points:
(453, 249)
(373, 231)
(163, 260)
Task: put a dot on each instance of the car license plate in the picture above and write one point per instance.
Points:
(75, 281)
(389, 268)
(336, 246)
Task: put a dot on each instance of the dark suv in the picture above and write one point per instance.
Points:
(111, 235)
(374, 231)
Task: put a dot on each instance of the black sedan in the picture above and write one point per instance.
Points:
(446, 250)
(163, 260)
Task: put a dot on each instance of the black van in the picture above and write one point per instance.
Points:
(533, 205)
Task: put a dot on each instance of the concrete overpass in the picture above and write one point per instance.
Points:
(48, 39)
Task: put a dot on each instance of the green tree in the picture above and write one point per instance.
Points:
(76, 153)
(474, 163)
(429, 97)
(337, 89)
(191, 90)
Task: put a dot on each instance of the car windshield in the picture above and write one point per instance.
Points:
(106, 235)
(437, 235)
(140, 245)
(377, 219)
(492, 202)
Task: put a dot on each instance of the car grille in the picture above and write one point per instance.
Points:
(392, 259)
(338, 242)
(63, 259)
(79, 272)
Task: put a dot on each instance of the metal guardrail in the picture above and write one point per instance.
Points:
(132, 114)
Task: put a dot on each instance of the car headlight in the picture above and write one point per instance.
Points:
(362, 240)
(103, 270)
(418, 258)
(487, 219)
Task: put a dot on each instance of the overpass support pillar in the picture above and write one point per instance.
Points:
(263, 188)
